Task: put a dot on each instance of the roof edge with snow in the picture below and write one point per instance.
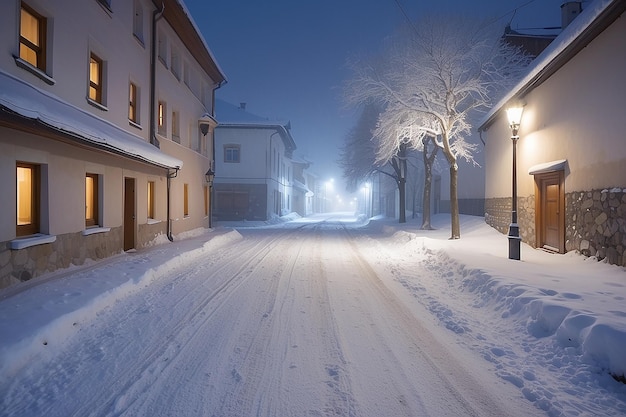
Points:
(48, 110)
(584, 29)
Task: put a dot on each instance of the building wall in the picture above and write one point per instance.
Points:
(74, 30)
(575, 115)
(263, 160)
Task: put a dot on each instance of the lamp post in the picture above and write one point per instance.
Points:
(209, 176)
(514, 114)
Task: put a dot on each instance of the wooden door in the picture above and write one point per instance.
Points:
(129, 213)
(551, 211)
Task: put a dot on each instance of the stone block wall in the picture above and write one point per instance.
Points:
(68, 249)
(498, 216)
(595, 222)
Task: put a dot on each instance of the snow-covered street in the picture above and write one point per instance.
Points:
(316, 317)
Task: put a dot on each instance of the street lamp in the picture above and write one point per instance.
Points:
(514, 114)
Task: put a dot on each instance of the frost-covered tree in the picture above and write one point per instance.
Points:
(360, 158)
(441, 70)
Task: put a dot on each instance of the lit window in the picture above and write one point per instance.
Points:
(231, 153)
(95, 78)
(32, 38)
(161, 118)
(186, 200)
(133, 104)
(151, 199)
(91, 200)
(28, 182)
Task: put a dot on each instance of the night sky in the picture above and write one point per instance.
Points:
(286, 58)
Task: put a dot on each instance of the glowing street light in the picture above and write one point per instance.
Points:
(514, 114)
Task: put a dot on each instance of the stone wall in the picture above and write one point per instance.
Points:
(498, 216)
(68, 249)
(595, 222)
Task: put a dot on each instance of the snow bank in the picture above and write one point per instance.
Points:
(26, 338)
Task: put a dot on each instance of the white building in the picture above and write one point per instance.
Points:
(254, 172)
(101, 135)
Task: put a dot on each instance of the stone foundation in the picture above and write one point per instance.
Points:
(68, 249)
(595, 222)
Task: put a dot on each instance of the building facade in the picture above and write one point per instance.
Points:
(571, 152)
(103, 112)
(253, 167)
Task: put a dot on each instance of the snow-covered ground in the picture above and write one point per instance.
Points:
(319, 316)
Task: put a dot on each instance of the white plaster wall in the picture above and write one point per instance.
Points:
(577, 114)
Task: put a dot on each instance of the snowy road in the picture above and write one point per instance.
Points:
(284, 322)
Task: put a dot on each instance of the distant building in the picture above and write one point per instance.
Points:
(254, 172)
(105, 135)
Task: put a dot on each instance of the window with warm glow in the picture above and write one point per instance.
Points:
(95, 78)
(133, 105)
(151, 199)
(91, 200)
(186, 200)
(27, 199)
(32, 37)
(161, 120)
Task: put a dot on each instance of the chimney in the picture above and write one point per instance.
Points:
(242, 105)
(569, 11)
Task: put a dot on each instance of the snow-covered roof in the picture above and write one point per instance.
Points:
(29, 101)
(230, 116)
(591, 22)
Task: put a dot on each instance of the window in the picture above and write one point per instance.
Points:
(28, 184)
(133, 103)
(231, 153)
(151, 199)
(175, 62)
(91, 200)
(175, 127)
(32, 37)
(162, 118)
(162, 48)
(186, 200)
(138, 21)
(95, 78)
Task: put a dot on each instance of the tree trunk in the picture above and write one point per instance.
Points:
(454, 203)
(402, 203)
(429, 160)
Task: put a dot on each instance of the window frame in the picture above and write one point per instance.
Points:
(162, 118)
(138, 20)
(99, 86)
(35, 200)
(176, 126)
(229, 159)
(42, 31)
(133, 103)
(185, 200)
(94, 220)
(151, 200)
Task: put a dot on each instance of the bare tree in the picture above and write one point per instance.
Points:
(441, 71)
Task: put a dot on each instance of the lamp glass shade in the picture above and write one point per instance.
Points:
(514, 114)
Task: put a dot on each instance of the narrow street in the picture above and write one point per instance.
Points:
(289, 321)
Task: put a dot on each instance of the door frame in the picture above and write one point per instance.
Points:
(540, 180)
(129, 213)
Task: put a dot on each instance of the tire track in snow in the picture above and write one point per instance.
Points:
(401, 360)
